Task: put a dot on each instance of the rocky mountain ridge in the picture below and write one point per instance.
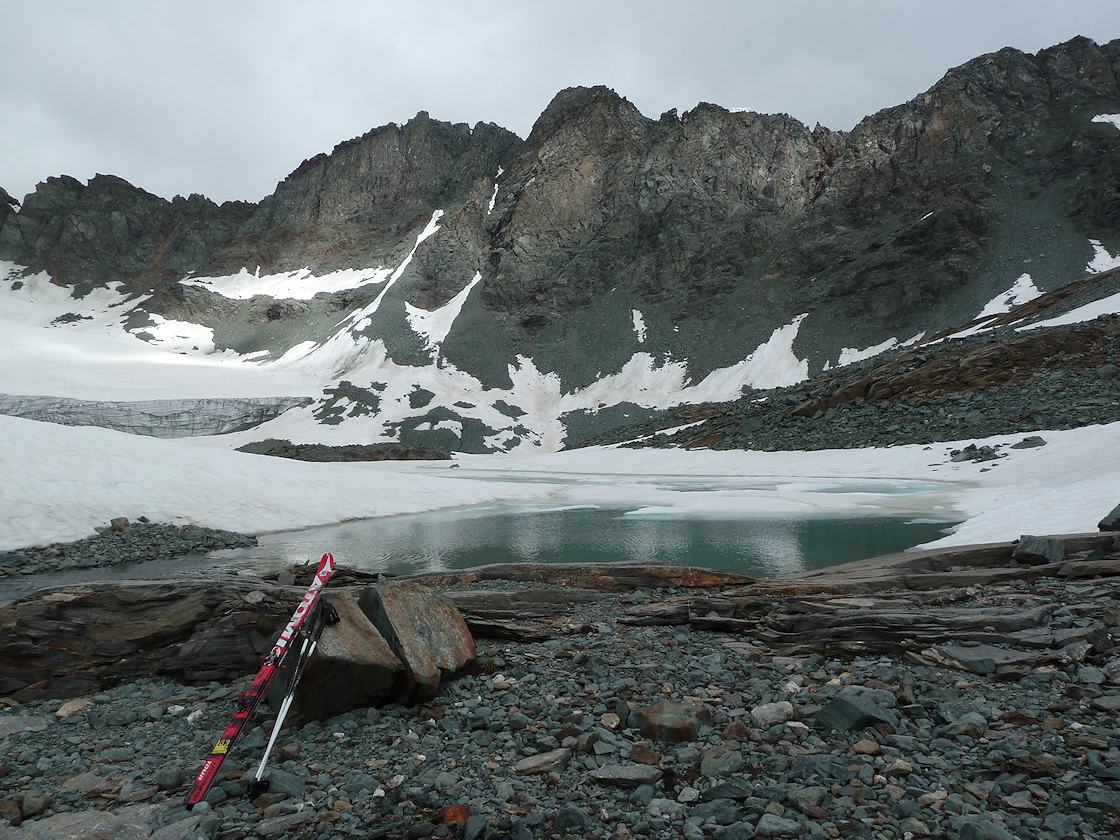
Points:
(609, 241)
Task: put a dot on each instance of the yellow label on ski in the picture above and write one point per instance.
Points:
(222, 746)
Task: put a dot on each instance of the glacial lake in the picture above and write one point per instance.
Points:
(465, 538)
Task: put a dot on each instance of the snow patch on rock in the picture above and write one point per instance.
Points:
(435, 325)
(1102, 260)
(1023, 290)
(851, 355)
(639, 325)
(289, 285)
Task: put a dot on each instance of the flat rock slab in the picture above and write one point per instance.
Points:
(92, 784)
(395, 641)
(1108, 703)
(75, 640)
(1104, 567)
(626, 775)
(608, 577)
(423, 630)
(980, 659)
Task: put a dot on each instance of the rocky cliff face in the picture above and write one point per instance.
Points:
(609, 241)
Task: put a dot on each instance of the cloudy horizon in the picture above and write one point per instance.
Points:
(226, 101)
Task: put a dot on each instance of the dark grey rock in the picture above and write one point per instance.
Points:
(721, 762)
(169, 777)
(853, 710)
(477, 827)
(1031, 549)
(626, 775)
(1111, 521)
(771, 825)
(972, 725)
(982, 828)
(571, 818)
(284, 783)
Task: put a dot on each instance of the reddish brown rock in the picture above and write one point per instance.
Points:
(674, 723)
(645, 753)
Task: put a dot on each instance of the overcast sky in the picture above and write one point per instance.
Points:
(226, 98)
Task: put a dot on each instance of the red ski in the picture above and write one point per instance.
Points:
(248, 702)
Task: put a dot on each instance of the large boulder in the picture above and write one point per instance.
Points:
(353, 667)
(426, 632)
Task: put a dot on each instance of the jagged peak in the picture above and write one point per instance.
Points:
(1081, 49)
(422, 121)
(114, 183)
(704, 109)
(1004, 73)
(571, 102)
(7, 199)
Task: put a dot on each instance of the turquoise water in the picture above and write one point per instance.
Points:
(464, 538)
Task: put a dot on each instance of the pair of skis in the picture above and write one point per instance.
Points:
(306, 625)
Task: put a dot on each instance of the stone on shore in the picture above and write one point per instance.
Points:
(771, 714)
(543, 762)
(626, 775)
(72, 708)
(857, 708)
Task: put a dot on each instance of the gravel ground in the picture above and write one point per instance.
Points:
(126, 543)
(547, 740)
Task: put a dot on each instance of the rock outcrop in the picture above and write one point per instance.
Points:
(353, 666)
(361, 204)
(396, 644)
(108, 230)
(349, 452)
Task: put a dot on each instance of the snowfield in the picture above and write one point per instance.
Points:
(64, 481)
